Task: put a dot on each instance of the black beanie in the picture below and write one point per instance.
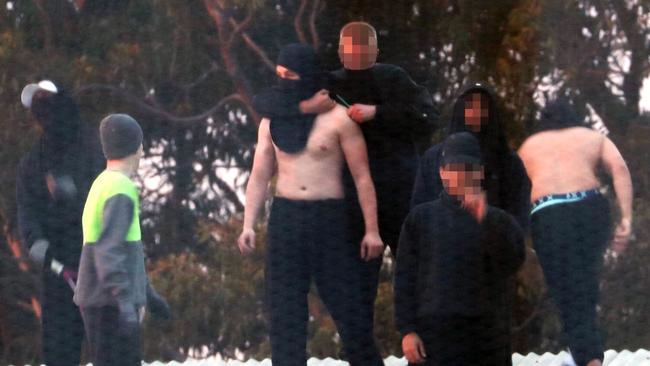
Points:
(461, 148)
(121, 136)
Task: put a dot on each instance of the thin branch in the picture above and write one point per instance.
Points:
(47, 26)
(157, 111)
(229, 193)
(298, 19)
(240, 27)
(258, 50)
(213, 68)
(317, 8)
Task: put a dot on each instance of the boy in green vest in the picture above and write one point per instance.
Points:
(112, 287)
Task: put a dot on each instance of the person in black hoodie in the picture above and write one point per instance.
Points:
(506, 182)
(455, 256)
(52, 183)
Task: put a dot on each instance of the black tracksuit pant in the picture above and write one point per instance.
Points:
(461, 341)
(570, 239)
(63, 329)
(109, 345)
(311, 239)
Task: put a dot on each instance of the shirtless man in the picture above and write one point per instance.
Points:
(570, 221)
(308, 229)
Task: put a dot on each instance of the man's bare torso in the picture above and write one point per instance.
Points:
(315, 172)
(562, 161)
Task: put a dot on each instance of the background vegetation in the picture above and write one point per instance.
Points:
(187, 71)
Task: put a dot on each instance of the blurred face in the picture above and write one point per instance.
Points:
(476, 112)
(358, 47)
(460, 180)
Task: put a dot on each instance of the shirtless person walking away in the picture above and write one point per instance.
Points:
(308, 231)
(570, 223)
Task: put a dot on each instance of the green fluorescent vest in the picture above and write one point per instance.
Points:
(108, 184)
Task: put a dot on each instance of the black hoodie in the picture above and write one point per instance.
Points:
(69, 155)
(506, 182)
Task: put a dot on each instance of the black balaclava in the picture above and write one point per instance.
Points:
(492, 138)
(558, 114)
(301, 59)
(120, 135)
(290, 133)
(58, 116)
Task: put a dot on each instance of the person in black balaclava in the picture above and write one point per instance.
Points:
(300, 79)
(308, 230)
(52, 183)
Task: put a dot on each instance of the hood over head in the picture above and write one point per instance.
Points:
(558, 114)
(492, 136)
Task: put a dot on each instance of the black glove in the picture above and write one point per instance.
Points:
(128, 322)
(157, 305)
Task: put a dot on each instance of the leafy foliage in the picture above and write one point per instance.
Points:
(187, 72)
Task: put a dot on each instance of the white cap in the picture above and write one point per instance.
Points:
(30, 89)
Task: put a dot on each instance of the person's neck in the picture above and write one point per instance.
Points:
(121, 166)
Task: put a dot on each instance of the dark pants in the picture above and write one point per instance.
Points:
(458, 341)
(109, 345)
(310, 239)
(62, 325)
(570, 239)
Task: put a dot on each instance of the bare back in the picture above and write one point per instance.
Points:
(562, 161)
(315, 172)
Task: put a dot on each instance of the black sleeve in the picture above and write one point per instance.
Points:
(111, 256)
(506, 249)
(427, 186)
(406, 272)
(519, 202)
(406, 102)
(29, 205)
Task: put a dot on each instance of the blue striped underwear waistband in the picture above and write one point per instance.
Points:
(554, 199)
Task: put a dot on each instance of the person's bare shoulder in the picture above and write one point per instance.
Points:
(338, 117)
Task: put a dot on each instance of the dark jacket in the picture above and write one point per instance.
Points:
(56, 216)
(506, 181)
(448, 264)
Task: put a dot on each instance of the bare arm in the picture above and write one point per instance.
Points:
(258, 183)
(356, 156)
(617, 168)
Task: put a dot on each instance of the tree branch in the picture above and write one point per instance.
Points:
(258, 51)
(162, 114)
(239, 27)
(298, 20)
(317, 8)
(228, 192)
(47, 25)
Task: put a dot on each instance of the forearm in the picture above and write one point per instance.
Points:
(367, 201)
(256, 192)
(624, 191)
